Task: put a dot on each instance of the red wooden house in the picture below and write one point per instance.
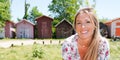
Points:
(44, 27)
(9, 29)
(64, 29)
(24, 29)
(114, 27)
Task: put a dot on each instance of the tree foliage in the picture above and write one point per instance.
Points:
(4, 11)
(27, 5)
(33, 14)
(67, 9)
(63, 9)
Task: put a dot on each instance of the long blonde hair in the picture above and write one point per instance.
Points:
(92, 52)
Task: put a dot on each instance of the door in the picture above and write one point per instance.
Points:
(117, 32)
(44, 30)
(24, 33)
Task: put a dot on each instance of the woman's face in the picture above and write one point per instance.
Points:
(84, 26)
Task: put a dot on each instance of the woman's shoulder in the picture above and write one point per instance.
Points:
(69, 48)
(104, 49)
(104, 41)
(104, 44)
(70, 39)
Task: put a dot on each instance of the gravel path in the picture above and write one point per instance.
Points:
(7, 44)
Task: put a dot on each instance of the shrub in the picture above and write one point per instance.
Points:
(38, 52)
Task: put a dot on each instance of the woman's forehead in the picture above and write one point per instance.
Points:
(82, 16)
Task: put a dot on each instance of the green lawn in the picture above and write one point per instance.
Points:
(47, 52)
(115, 50)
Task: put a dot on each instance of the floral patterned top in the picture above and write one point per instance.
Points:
(70, 49)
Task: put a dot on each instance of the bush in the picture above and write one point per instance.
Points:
(38, 52)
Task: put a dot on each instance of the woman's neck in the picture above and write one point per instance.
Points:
(84, 42)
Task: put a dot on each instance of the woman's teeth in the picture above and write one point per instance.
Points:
(83, 32)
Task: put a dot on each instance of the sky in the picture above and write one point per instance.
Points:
(105, 8)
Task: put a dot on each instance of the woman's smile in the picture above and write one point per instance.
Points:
(84, 32)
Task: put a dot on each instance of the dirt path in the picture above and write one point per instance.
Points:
(7, 44)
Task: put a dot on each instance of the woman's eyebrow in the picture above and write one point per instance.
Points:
(87, 19)
(78, 20)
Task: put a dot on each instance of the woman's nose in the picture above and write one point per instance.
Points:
(83, 25)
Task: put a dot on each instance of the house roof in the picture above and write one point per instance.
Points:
(62, 22)
(10, 21)
(43, 16)
(109, 22)
(25, 21)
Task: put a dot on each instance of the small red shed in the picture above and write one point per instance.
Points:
(64, 29)
(114, 27)
(9, 29)
(44, 27)
(24, 29)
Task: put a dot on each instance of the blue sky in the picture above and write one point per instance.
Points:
(105, 8)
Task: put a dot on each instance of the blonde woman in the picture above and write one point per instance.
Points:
(87, 43)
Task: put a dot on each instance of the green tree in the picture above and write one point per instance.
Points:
(27, 5)
(63, 9)
(33, 14)
(4, 11)
(67, 9)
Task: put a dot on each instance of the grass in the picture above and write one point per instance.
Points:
(50, 52)
(115, 50)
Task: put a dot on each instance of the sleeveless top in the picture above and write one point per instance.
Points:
(70, 49)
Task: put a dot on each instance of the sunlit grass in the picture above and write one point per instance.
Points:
(115, 50)
(50, 52)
